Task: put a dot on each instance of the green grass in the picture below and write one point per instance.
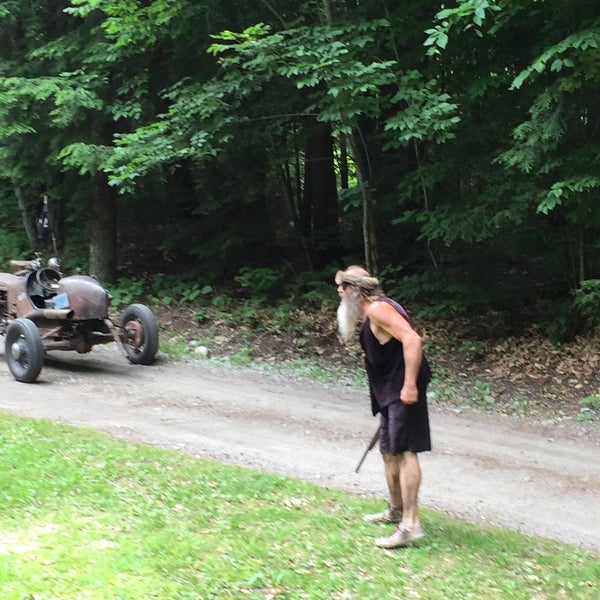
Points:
(83, 515)
(174, 346)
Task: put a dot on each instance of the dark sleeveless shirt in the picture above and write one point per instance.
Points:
(385, 364)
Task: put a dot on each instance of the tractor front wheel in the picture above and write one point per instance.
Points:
(24, 350)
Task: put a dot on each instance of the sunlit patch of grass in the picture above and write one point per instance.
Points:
(174, 346)
(83, 515)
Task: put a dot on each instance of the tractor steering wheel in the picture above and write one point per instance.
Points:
(48, 279)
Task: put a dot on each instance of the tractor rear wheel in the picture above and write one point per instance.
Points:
(139, 333)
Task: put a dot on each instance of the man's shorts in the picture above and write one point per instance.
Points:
(405, 427)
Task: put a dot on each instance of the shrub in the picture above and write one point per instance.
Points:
(587, 300)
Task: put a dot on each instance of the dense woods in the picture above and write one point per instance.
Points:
(453, 149)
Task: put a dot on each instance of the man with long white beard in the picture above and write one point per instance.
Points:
(398, 376)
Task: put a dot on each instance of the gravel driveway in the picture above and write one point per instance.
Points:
(537, 478)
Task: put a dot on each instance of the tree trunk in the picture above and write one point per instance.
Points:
(426, 206)
(581, 253)
(281, 205)
(103, 234)
(25, 216)
(320, 195)
(368, 221)
(344, 174)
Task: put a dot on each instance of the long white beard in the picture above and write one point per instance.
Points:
(348, 317)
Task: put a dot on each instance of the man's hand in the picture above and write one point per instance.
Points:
(409, 394)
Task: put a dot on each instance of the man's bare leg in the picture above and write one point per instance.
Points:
(409, 529)
(410, 481)
(392, 477)
(393, 512)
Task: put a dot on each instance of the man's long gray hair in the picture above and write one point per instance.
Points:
(359, 278)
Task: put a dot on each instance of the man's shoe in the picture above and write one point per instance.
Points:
(389, 515)
(401, 537)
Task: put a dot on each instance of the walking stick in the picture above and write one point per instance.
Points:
(369, 447)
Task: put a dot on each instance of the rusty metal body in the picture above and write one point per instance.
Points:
(70, 313)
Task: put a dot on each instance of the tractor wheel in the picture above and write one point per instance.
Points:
(139, 333)
(24, 350)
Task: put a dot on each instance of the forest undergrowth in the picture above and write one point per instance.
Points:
(526, 376)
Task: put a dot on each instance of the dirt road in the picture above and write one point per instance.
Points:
(541, 479)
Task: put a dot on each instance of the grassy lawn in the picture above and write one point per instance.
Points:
(83, 515)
